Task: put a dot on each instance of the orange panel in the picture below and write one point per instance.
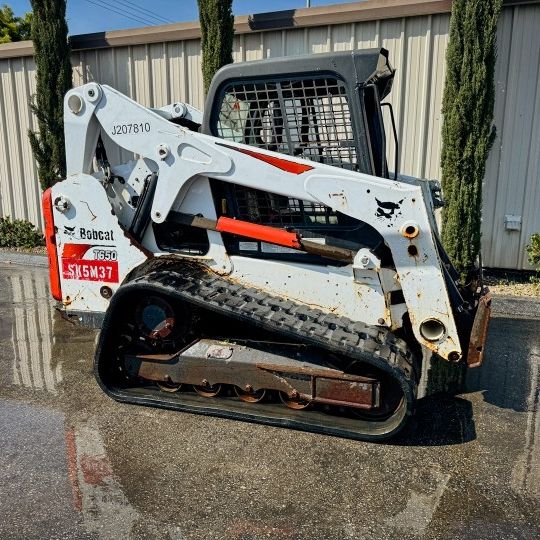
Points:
(50, 239)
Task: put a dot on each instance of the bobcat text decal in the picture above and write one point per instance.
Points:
(83, 233)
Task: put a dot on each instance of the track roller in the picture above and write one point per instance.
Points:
(169, 387)
(249, 395)
(207, 390)
(294, 402)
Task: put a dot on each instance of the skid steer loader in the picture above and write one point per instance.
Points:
(258, 261)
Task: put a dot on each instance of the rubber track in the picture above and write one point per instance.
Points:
(198, 286)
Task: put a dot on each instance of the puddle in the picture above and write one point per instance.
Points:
(97, 469)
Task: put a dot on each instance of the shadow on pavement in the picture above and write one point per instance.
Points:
(440, 420)
(509, 376)
(509, 379)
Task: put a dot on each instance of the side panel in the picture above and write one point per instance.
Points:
(93, 251)
(325, 287)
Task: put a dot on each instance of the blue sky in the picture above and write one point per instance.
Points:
(85, 16)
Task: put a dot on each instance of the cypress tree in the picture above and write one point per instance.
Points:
(217, 27)
(54, 79)
(467, 133)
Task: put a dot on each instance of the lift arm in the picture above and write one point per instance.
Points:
(398, 210)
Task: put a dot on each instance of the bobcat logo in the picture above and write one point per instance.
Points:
(388, 209)
(69, 231)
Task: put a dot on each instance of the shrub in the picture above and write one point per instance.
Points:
(533, 251)
(19, 233)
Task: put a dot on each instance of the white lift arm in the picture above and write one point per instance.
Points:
(400, 211)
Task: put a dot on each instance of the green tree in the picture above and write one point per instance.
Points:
(13, 28)
(217, 27)
(54, 79)
(467, 133)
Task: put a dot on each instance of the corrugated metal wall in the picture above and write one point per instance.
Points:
(512, 185)
(19, 189)
(159, 73)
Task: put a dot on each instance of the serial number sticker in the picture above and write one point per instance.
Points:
(127, 129)
(85, 270)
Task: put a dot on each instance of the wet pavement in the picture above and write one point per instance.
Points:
(75, 464)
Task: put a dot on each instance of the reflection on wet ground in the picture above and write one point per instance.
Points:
(74, 464)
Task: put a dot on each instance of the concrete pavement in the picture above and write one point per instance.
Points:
(75, 464)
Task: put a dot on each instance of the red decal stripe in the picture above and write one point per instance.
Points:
(75, 251)
(280, 163)
(50, 239)
(258, 232)
(86, 270)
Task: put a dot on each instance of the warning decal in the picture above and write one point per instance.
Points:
(87, 270)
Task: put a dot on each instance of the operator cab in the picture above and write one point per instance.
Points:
(324, 108)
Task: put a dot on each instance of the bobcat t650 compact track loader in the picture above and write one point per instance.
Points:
(258, 261)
